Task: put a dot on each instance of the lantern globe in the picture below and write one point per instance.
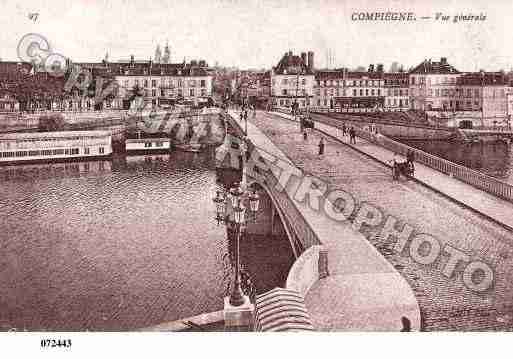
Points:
(254, 202)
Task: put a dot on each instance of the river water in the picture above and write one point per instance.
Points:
(492, 158)
(119, 244)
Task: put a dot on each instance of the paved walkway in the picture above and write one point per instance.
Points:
(445, 303)
(363, 291)
(481, 201)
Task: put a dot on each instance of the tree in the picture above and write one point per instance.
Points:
(54, 122)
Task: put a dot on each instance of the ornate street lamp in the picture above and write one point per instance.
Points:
(236, 198)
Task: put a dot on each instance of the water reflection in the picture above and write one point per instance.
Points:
(491, 158)
(118, 245)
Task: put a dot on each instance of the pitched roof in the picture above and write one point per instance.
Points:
(329, 74)
(291, 64)
(482, 79)
(362, 74)
(434, 67)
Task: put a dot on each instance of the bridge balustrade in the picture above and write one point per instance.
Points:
(467, 175)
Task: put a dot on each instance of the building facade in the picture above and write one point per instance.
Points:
(293, 80)
(349, 91)
(432, 86)
(397, 92)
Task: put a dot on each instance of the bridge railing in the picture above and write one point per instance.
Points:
(305, 237)
(467, 175)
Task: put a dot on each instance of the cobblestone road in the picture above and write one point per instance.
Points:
(446, 304)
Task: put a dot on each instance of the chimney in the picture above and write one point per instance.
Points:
(371, 68)
(310, 61)
(380, 68)
(303, 57)
(132, 60)
(194, 63)
(443, 60)
(290, 53)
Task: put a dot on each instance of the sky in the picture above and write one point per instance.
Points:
(256, 33)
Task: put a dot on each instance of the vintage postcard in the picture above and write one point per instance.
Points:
(255, 166)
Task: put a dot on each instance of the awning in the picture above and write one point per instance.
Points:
(281, 310)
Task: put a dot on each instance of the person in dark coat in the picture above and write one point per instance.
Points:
(321, 146)
(305, 135)
(352, 136)
(344, 129)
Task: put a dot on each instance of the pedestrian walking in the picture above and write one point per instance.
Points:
(321, 146)
(344, 129)
(352, 135)
(305, 135)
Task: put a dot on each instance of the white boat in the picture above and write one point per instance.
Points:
(44, 146)
(148, 144)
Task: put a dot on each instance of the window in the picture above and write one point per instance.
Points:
(303, 81)
(153, 83)
(145, 83)
(191, 92)
(162, 93)
(101, 150)
(86, 150)
(158, 144)
(203, 83)
(203, 92)
(153, 93)
(354, 93)
(284, 92)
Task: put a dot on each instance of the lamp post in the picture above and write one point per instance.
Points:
(235, 199)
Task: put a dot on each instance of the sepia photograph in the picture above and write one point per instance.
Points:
(224, 166)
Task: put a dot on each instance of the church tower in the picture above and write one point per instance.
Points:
(167, 54)
(158, 55)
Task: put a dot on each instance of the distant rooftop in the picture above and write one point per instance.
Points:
(293, 64)
(434, 67)
(483, 79)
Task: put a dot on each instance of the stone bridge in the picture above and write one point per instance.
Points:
(347, 284)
